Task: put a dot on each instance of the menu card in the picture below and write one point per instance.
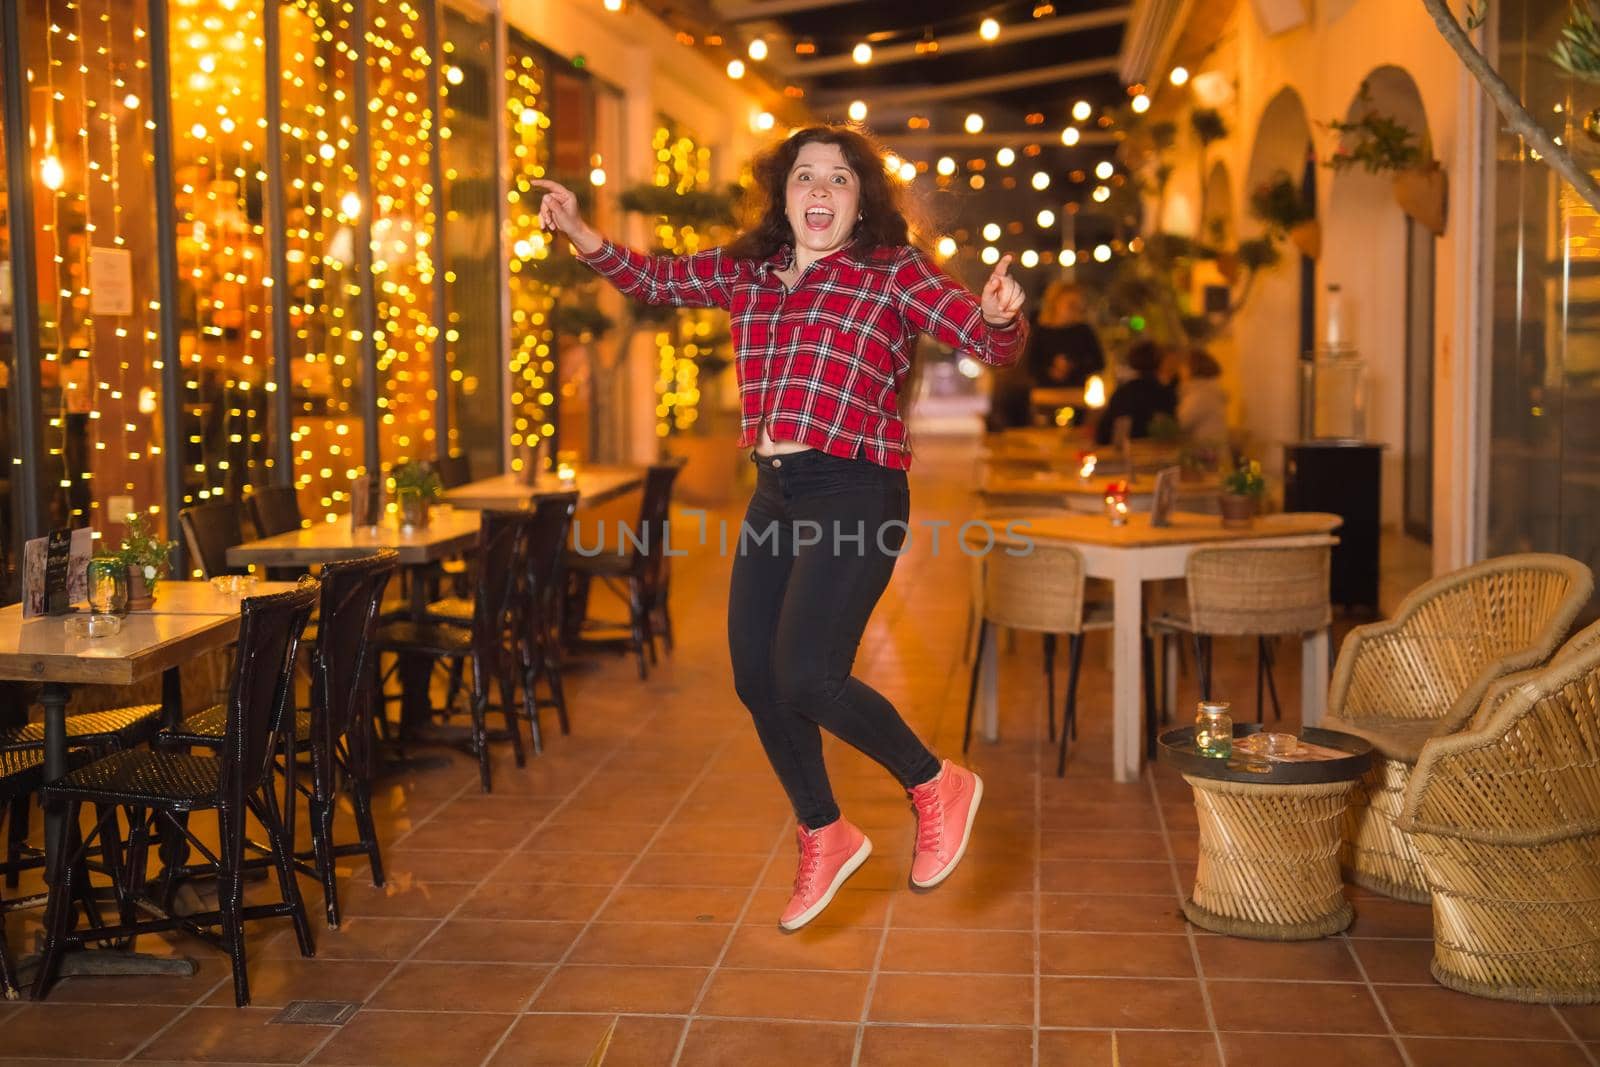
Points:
(366, 501)
(54, 572)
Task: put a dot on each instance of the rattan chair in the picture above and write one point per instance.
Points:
(1041, 591)
(1505, 819)
(1262, 592)
(1422, 675)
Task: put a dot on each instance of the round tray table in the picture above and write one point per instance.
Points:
(1269, 836)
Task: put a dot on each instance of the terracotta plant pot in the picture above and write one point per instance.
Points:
(1238, 511)
(140, 596)
(1307, 237)
(1228, 266)
(1424, 193)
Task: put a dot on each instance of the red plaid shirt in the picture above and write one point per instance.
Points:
(822, 363)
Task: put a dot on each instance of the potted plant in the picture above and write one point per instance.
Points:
(1383, 144)
(416, 485)
(1280, 203)
(1242, 490)
(146, 558)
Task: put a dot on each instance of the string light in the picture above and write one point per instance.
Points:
(1101, 194)
(1104, 169)
(764, 121)
(991, 231)
(1029, 258)
(858, 111)
(946, 166)
(683, 164)
(990, 255)
(946, 247)
(1102, 253)
(1041, 180)
(989, 29)
(1141, 104)
(1005, 157)
(975, 181)
(908, 171)
(1179, 75)
(1070, 136)
(533, 301)
(613, 5)
(862, 53)
(735, 69)
(974, 123)
(757, 49)
(1067, 257)
(1046, 218)
(1082, 110)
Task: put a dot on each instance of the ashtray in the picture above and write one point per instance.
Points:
(234, 584)
(1268, 744)
(93, 625)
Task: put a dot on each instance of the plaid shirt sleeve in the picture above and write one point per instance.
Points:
(945, 310)
(704, 279)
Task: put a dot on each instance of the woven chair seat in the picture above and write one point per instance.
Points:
(451, 609)
(1396, 739)
(608, 561)
(143, 777)
(1098, 616)
(207, 728)
(112, 728)
(440, 639)
(20, 771)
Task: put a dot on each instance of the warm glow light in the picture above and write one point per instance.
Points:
(974, 123)
(1179, 75)
(1046, 218)
(1094, 390)
(613, 5)
(597, 176)
(735, 69)
(908, 171)
(1141, 104)
(1029, 258)
(1070, 135)
(1102, 253)
(991, 231)
(130, 101)
(946, 247)
(891, 163)
(1005, 157)
(1101, 194)
(1082, 110)
(758, 49)
(1068, 257)
(976, 181)
(453, 74)
(51, 173)
(1041, 180)
(1104, 169)
(989, 29)
(857, 111)
(350, 204)
(862, 53)
(946, 166)
(990, 255)
(764, 120)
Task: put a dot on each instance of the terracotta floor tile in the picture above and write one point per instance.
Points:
(1433, 1011)
(492, 987)
(232, 1035)
(402, 897)
(1305, 1050)
(1463, 1052)
(563, 868)
(591, 837)
(500, 941)
(638, 904)
(823, 995)
(415, 1039)
(358, 938)
(273, 983)
(1584, 1020)
(861, 908)
(958, 999)
(144, 989)
(747, 839)
(1327, 960)
(467, 835)
(972, 952)
(1295, 1008)
(1106, 876)
(1111, 914)
(1101, 845)
(94, 1032)
(1121, 1003)
(551, 903)
(685, 944)
(1095, 815)
(949, 908)
(812, 947)
(1076, 1048)
(1395, 961)
(1133, 1048)
(687, 869)
(1116, 955)
(638, 1041)
(906, 1046)
(720, 1042)
(655, 990)
(1378, 917)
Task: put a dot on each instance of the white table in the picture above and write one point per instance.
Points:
(1128, 556)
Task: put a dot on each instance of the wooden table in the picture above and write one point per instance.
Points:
(1001, 488)
(448, 532)
(201, 598)
(1128, 556)
(595, 485)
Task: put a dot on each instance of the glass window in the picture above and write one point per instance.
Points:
(533, 368)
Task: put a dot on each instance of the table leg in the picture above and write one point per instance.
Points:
(989, 685)
(1127, 679)
(1313, 677)
(54, 697)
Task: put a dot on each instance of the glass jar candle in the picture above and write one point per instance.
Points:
(1117, 503)
(1213, 729)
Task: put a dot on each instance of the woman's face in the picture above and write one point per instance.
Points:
(822, 200)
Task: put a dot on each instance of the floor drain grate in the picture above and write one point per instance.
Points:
(317, 1013)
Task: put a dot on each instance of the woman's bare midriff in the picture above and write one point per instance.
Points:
(766, 446)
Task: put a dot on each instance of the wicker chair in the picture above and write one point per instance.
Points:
(1505, 819)
(1422, 674)
(1043, 592)
(1261, 592)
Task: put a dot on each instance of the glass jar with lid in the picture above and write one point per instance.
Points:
(1213, 729)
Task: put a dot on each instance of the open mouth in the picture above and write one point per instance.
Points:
(818, 219)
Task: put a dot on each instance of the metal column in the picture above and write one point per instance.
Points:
(167, 272)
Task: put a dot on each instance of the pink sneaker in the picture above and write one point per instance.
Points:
(827, 857)
(945, 809)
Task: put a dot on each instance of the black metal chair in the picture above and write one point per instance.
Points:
(638, 575)
(501, 536)
(157, 789)
(453, 469)
(543, 583)
(274, 509)
(209, 530)
(21, 772)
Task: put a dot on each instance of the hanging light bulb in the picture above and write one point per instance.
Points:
(1141, 104)
(1005, 157)
(1102, 253)
(51, 173)
(858, 111)
(908, 171)
(1046, 218)
(862, 53)
(735, 69)
(1067, 257)
(1104, 169)
(758, 49)
(974, 123)
(1179, 75)
(1101, 194)
(1041, 180)
(1070, 135)
(597, 176)
(1082, 110)
(989, 29)
(1094, 390)
(946, 247)
(991, 231)
(1029, 258)
(990, 255)
(946, 166)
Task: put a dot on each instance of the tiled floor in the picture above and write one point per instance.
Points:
(635, 871)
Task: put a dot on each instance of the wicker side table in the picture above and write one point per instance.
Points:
(1269, 838)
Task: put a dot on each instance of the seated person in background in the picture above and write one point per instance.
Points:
(1202, 402)
(1063, 349)
(1141, 398)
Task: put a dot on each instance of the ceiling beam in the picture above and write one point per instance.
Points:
(753, 12)
(966, 42)
(993, 139)
(999, 83)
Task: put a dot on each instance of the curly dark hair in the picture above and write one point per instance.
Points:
(883, 221)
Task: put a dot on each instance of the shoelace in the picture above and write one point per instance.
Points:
(930, 817)
(810, 862)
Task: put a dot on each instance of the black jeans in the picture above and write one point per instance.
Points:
(818, 545)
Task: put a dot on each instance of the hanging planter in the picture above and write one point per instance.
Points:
(1307, 237)
(1282, 205)
(1423, 193)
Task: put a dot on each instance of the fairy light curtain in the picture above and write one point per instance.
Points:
(90, 151)
(683, 165)
(9, 582)
(533, 368)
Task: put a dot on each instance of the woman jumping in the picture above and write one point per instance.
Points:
(826, 298)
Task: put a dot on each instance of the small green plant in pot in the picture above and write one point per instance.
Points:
(416, 486)
(1242, 491)
(146, 557)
